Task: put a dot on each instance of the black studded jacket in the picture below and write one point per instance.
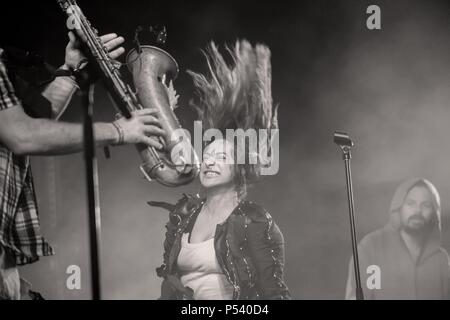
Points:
(249, 247)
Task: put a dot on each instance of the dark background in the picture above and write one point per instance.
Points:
(388, 88)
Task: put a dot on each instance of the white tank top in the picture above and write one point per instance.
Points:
(201, 271)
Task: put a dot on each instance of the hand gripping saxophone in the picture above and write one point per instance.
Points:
(153, 70)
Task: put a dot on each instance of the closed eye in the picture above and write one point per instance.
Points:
(410, 202)
(427, 205)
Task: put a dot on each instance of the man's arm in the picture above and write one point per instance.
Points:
(25, 135)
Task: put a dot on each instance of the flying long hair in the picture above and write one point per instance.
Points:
(236, 95)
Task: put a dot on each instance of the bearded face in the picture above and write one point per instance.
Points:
(417, 212)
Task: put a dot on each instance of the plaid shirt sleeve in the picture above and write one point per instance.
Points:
(19, 221)
(7, 96)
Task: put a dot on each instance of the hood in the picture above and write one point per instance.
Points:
(434, 240)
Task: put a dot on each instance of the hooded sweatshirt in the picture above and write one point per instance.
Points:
(388, 271)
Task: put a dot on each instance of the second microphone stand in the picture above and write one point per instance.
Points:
(345, 143)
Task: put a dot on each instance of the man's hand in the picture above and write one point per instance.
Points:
(142, 127)
(74, 55)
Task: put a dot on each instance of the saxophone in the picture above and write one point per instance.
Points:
(152, 69)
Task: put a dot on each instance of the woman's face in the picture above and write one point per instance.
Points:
(218, 164)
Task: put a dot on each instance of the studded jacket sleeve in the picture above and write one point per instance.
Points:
(265, 244)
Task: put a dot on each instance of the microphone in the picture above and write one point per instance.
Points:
(342, 139)
(162, 36)
(159, 36)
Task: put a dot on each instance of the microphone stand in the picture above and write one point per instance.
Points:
(87, 95)
(345, 143)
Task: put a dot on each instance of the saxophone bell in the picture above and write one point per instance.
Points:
(152, 68)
